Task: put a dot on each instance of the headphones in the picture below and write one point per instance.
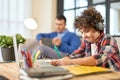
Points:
(99, 25)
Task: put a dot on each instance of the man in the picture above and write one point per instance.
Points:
(65, 41)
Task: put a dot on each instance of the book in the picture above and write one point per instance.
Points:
(83, 70)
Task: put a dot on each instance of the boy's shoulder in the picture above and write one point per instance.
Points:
(108, 38)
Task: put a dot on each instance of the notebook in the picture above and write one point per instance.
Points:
(85, 70)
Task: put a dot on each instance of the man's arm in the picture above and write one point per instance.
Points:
(74, 44)
(44, 35)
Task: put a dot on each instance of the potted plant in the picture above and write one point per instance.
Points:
(6, 44)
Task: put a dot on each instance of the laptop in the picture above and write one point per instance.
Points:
(3, 77)
(45, 69)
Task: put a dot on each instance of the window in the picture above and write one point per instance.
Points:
(115, 19)
(109, 9)
(101, 8)
(12, 15)
(70, 19)
(72, 10)
(98, 1)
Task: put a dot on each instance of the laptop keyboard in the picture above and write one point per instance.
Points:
(42, 63)
(43, 69)
(46, 69)
(45, 66)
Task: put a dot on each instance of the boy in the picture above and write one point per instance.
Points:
(97, 48)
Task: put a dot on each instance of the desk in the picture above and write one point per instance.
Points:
(11, 71)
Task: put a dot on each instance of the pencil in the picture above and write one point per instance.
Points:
(29, 59)
(57, 52)
(36, 55)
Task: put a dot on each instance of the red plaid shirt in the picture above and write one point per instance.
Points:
(108, 52)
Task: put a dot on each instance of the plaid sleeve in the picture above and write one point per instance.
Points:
(109, 49)
(80, 51)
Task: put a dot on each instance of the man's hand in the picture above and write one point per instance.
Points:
(57, 41)
(40, 42)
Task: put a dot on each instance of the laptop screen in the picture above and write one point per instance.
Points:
(15, 49)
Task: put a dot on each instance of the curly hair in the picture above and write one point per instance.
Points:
(89, 19)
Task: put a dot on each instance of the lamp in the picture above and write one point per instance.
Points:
(30, 23)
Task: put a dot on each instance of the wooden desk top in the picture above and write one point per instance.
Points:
(11, 71)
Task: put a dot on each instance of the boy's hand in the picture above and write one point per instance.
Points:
(63, 61)
(55, 62)
(57, 41)
(66, 57)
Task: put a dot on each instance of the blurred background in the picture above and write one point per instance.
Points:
(14, 12)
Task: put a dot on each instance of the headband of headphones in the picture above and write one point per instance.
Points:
(99, 25)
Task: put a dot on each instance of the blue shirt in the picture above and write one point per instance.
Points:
(70, 41)
(60, 35)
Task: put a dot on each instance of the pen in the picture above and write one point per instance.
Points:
(24, 58)
(57, 51)
(33, 55)
(23, 54)
(29, 59)
(36, 55)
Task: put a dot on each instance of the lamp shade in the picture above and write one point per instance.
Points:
(30, 23)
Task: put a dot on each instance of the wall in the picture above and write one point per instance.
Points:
(44, 12)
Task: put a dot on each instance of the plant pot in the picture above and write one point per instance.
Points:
(8, 54)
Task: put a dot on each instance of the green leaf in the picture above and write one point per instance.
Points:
(7, 41)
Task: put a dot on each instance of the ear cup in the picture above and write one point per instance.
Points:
(100, 26)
